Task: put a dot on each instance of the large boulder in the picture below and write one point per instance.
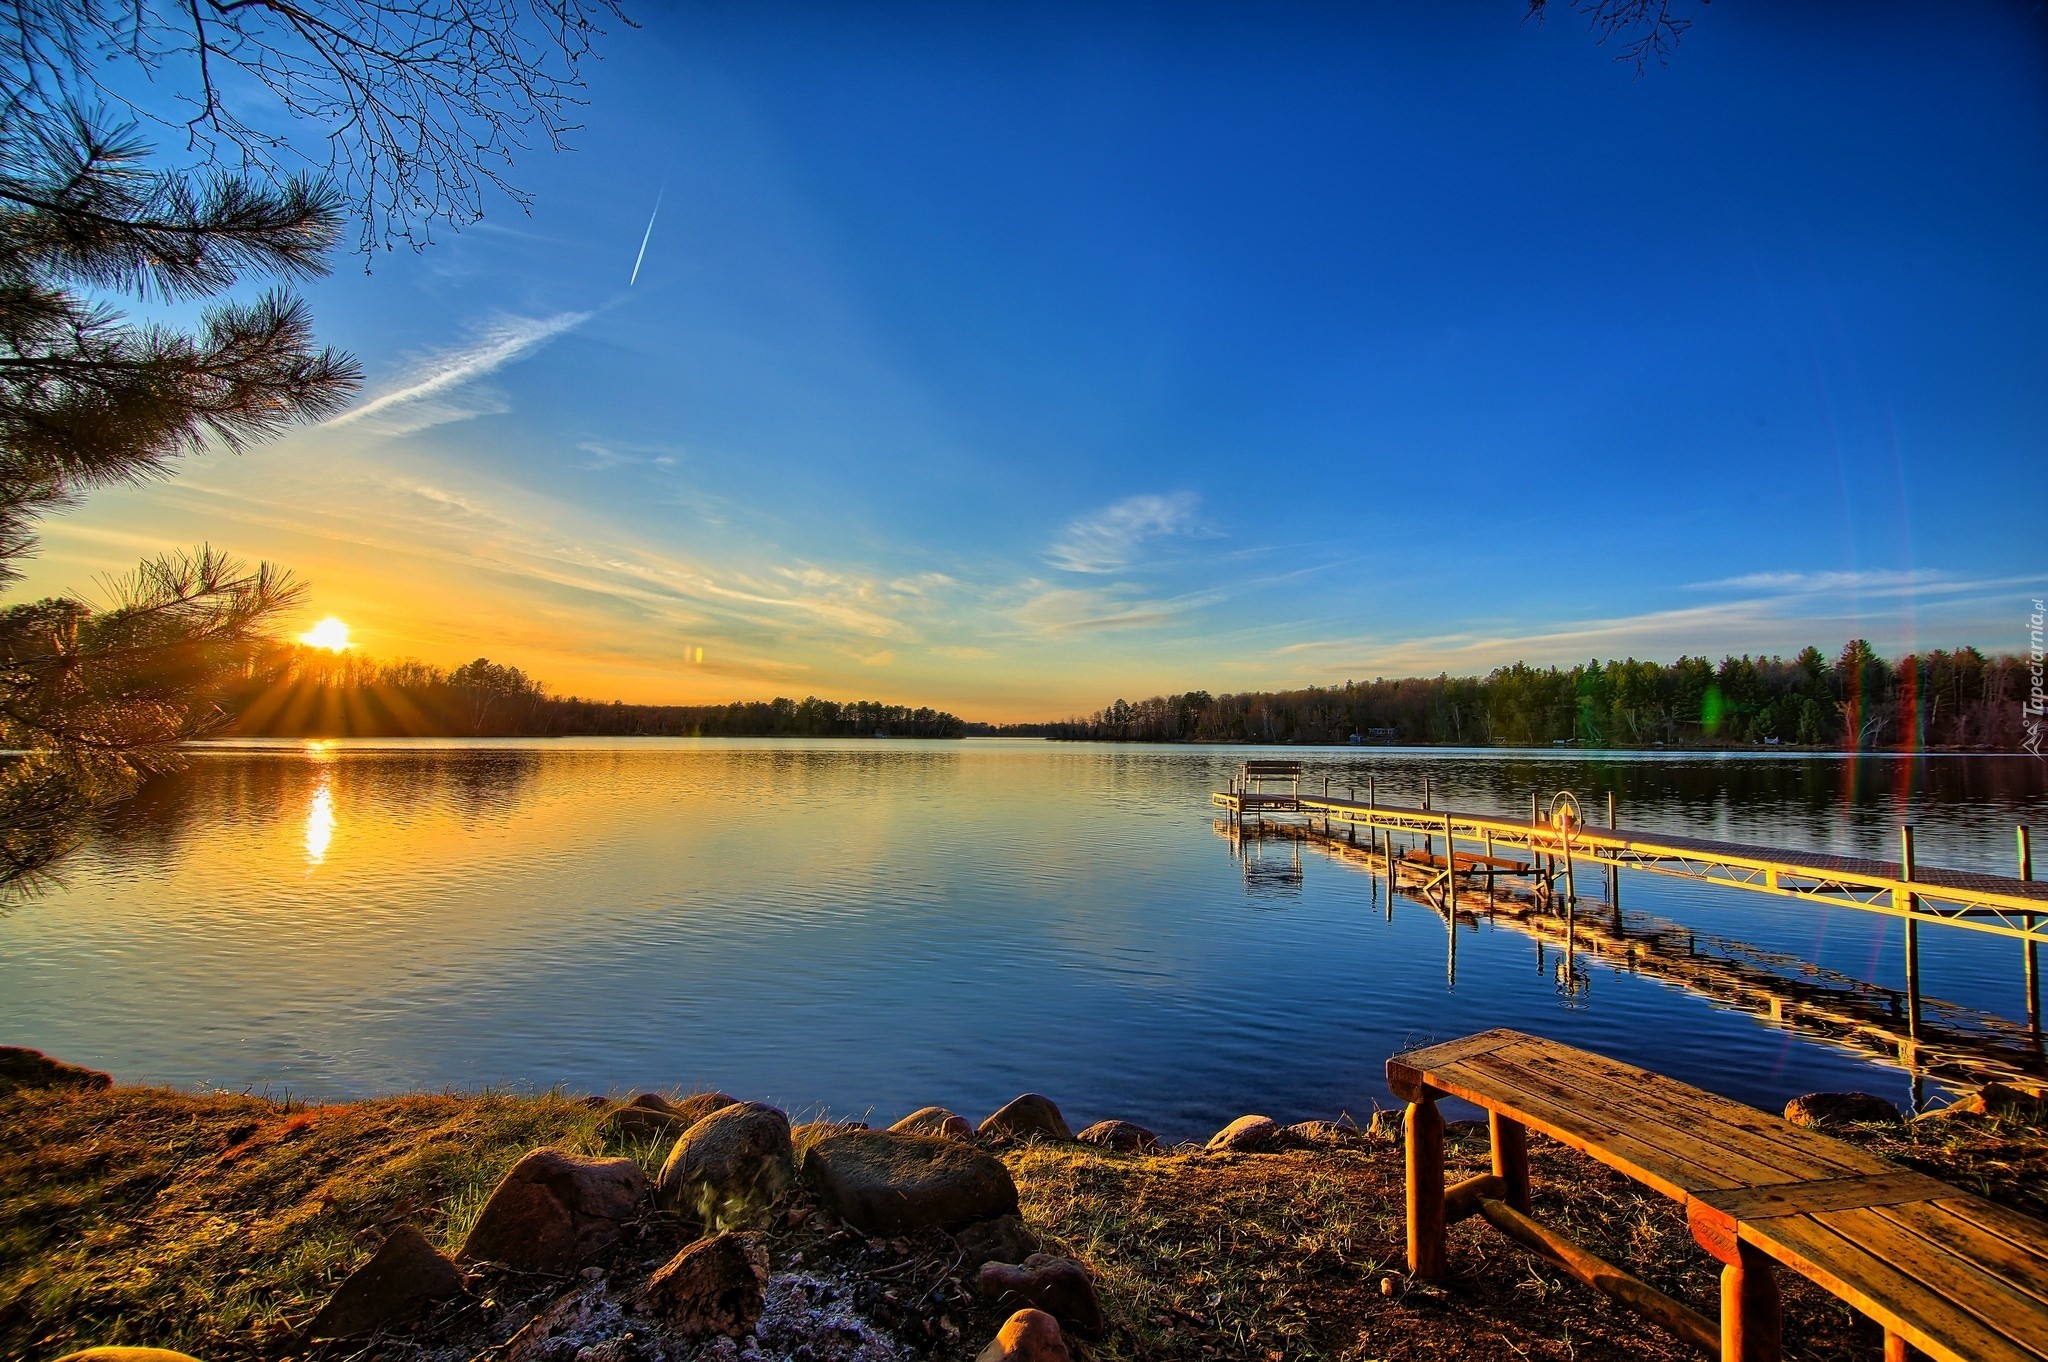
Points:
(1839, 1108)
(715, 1286)
(1059, 1286)
(884, 1182)
(1030, 1116)
(934, 1121)
(1027, 1336)
(729, 1169)
(1248, 1135)
(400, 1281)
(1122, 1136)
(554, 1211)
(22, 1068)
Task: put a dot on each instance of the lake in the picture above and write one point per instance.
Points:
(863, 927)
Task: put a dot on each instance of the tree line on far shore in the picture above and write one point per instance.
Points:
(1958, 699)
(298, 692)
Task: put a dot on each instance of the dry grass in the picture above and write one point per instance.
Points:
(218, 1224)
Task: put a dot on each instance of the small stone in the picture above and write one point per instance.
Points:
(399, 1282)
(554, 1210)
(729, 1169)
(1122, 1136)
(934, 1121)
(1996, 1099)
(1385, 1127)
(1059, 1286)
(1328, 1134)
(1030, 1116)
(648, 1116)
(885, 1183)
(1839, 1108)
(1027, 1336)
(1248, 1135)
(23, 1068)
(698, 1105)
(1003, 1239)
(714, 1286)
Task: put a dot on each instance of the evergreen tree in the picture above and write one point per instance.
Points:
(98, 696)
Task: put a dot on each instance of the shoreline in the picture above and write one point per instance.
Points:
(220, 1224)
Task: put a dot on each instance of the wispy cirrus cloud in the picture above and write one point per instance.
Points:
(1815, 583)
(1109, 540)
(423, 397)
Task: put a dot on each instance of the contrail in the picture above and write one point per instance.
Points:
(649, 233)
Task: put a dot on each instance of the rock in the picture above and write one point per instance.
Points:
(20, 1068)
(399, 1282)
(1248, 1135)
(1027, 1336)
(698, 1105)
(1121, 1136)
(1005, 1239)
(712, 1287)
(1059, 1286)
(1996, 1099)
(1328, 1134)
(934, 1121)
(554, 1211)
(1839, 1108)
(1027, 1117)
(127, 1355)
(886, 1183)
(648, 1116)
(729, 1169)
(1387, 1127)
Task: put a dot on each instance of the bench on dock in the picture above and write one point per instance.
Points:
(1254, 775)
(1942, 1271)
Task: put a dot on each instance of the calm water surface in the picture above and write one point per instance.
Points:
(865, 927)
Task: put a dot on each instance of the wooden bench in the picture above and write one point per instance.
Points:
(1950, 1274)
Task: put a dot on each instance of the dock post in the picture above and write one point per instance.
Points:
(2033, 947)
(1905, 901)
(1425, 790)
(1371, 791)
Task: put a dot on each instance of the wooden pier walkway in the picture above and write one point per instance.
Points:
(2015, 907)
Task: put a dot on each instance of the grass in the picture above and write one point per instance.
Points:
(217, 1224)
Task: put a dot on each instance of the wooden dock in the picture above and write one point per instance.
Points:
(1557, 842)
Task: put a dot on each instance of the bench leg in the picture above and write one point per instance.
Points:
(1511, 1158)
(1895, 1349)
(1750, 1319)
(1425, 1131)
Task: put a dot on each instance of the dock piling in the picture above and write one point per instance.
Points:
(2032, 947)
(1905, 903)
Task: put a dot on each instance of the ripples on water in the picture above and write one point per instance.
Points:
(869, 926)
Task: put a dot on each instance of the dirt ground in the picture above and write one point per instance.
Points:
(218, 1224)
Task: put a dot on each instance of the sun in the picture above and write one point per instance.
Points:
(329, 633)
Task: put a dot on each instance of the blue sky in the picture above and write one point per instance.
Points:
(1014, 362)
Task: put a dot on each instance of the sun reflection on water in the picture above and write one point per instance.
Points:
(320, 822)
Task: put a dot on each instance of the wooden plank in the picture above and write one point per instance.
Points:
(1559, 1115)
(1874, 1287)
(2022, 1231)
(2021, 1267)
(1825, 1194)
(1943, 1279)
(1675, 1144)
(1406, 1070)
(1801, 1152)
